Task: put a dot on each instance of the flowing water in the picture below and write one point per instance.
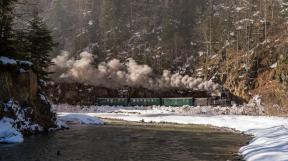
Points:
(132, 142)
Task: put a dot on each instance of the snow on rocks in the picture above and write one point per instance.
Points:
(273, 66)
(60, 125)
(80, 118)
(11, 129)
(22, 121)
(7, 61)
(8, 134)
(23, 62)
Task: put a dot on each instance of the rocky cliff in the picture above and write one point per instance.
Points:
(22, 98)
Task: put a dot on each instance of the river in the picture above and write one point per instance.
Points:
(128, 142)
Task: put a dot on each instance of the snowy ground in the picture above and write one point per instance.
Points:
(8, 134)
(271, 133)
(80, 118)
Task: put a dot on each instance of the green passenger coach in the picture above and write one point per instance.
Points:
(145, 101)
(112, 101)
(177, 101)
(174, 102)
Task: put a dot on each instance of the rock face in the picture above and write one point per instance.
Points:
(21, 86)
(20, 93)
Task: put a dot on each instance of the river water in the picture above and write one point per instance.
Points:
(122, 142)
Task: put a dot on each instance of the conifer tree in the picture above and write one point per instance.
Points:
(40, 44)
(7, 37)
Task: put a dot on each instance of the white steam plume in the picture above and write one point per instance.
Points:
(115, 74)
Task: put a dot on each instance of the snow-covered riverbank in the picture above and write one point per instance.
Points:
(271, 133)
(79, 118)
(8, 134)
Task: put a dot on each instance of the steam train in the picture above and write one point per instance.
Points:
(174, 102)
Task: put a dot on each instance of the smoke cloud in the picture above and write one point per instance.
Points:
(114, 74)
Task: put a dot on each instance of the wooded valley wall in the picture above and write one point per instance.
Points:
(238, 43)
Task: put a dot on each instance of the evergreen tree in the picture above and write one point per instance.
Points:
(40, 44)
(7, 35)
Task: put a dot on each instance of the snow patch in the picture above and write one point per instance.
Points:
(8, 134)
(273, 66)
(7, 61)
(80, 118)
(23, 62)
(269, 144)
(90, 23)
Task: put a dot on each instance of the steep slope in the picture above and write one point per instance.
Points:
(252, 60)
(159, 33)
(238, 43)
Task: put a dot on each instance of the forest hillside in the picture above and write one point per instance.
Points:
(240, 44)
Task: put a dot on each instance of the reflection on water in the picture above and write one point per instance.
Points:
(126, 143)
